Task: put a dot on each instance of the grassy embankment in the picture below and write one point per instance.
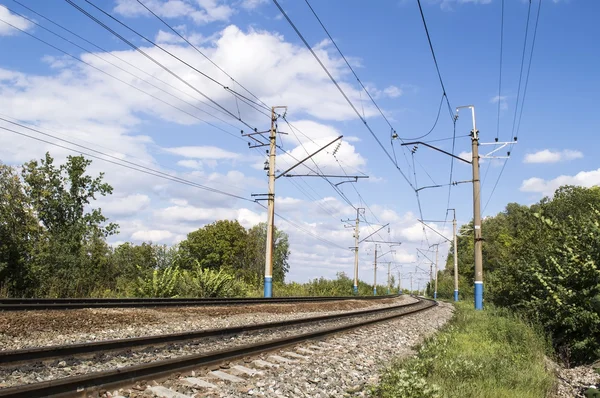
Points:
(483, 354)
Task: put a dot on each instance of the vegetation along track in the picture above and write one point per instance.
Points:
(82, 384)
(22, 304)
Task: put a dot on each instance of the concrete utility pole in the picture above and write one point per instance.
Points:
(375, 274)
(437, 246)
(476, 212)
(399, 282)
(389, 278)
(455, 256)
(268, 291)
(356, 231)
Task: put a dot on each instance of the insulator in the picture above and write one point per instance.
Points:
(496, 139)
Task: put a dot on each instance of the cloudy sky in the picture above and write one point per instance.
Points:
(173, 114)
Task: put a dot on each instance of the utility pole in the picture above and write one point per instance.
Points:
(399, 282)
(268, 291)
(356, 244)
(455, 256)
(437, 246)
(389, 278)
(411, 289)
(375, 274)
(476, 212)
(257, 137)
(356, 230)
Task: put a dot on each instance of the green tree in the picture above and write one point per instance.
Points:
(215, 246)
(73, 252)
(19, 232)
(254, 260)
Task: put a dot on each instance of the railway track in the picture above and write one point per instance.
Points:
(90, 383)
(24, 304)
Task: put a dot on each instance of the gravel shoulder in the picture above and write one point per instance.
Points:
(23, 329)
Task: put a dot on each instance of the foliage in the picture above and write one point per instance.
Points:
(162, 283)
(480, 354)
(542, 261)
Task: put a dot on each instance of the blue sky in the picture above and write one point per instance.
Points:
(385, 42)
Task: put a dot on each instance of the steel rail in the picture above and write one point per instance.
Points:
(79, 385)
(23, 304)
(62, 351)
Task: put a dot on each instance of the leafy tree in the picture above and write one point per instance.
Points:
(19, 232)
(254, 261)
(70, 257)
(214, 246)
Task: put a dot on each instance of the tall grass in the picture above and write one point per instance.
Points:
(481, 354)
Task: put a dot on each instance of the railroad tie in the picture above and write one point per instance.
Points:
(164, 392)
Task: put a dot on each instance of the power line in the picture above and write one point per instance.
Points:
(437, 68)
(340, 89)
(500, 67)
(521, 70)
(118, 79)
(152, 59)
(201, 53)
(522, 102)
(131, 166)
(117, 66)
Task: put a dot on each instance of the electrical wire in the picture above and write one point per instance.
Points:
(130, 165)
(500, 67)
(334, 81)
(152, 59)
(117, 66)
(522, 102)
(521, 70)
(201, 53)
(120, 80)
(437, 67)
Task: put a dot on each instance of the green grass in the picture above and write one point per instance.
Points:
(481, 354)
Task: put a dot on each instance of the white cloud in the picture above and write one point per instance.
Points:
(501, 99)
(190, 164)
(448, 4)
(252, 4)
(206, 11)
(202, 152)
(548, 187)
(547, 156)
(124, 206)
(392, 91)
(17, 21)
(153, 235)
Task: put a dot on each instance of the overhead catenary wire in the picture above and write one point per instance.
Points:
(202, 53)
(118, 79)
(437, 67)
(152, 59)
(129, 165)
(117, 66)
(334, 81)
(522, 102)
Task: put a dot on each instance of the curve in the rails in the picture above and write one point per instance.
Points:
(23, 304)
(49, 352)
(76, 385)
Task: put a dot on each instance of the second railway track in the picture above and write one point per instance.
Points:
(191, 358)
(31, 304)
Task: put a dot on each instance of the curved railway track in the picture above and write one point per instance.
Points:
(81, 385)
(23, 304)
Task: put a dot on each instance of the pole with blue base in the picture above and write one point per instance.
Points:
(478, 295)
(270, 210)
(456, 295)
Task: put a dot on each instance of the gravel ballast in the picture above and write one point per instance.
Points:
(26, 329)
(341, 366)
(65, 367)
